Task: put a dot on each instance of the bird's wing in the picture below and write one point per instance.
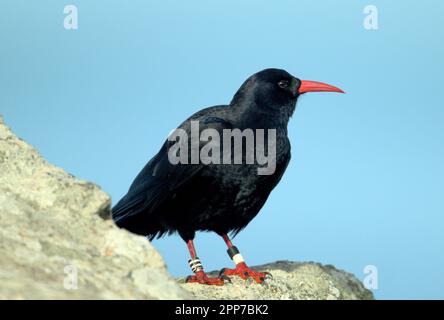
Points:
(159, 179)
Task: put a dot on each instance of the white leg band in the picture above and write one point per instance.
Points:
(237, 258)
(195, 264)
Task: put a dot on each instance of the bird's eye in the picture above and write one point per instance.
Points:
(283, 84)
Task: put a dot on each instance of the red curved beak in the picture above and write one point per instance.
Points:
(314, 86)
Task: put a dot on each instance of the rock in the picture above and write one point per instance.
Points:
(54, 227)
(290, 280)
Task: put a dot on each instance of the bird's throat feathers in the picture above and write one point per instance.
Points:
(259, 114)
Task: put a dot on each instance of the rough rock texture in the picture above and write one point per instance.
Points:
(290, 280)
(53, 225)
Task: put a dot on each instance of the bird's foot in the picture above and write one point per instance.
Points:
(243, 271)
(202, 278)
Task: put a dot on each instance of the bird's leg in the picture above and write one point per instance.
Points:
(199, 274)
(242, 270)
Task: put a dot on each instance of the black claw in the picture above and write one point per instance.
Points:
(221, 272)
(225, 278)
(246, 274)
(188, 279)
(268, 275)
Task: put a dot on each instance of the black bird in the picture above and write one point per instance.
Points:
(187, 197)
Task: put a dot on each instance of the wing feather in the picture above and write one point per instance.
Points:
(160, 179)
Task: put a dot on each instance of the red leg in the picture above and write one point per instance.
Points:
(241, 270)
(199, 275)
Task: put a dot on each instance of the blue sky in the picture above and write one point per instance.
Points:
(365, 184)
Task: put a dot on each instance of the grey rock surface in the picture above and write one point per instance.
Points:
(54, 226)
(290, 280)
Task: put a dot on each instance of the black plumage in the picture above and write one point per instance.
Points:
(166, 198)
(185, 198)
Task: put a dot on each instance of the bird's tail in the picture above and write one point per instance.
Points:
(128, 214)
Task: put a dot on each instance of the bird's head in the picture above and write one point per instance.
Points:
(276, 90)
